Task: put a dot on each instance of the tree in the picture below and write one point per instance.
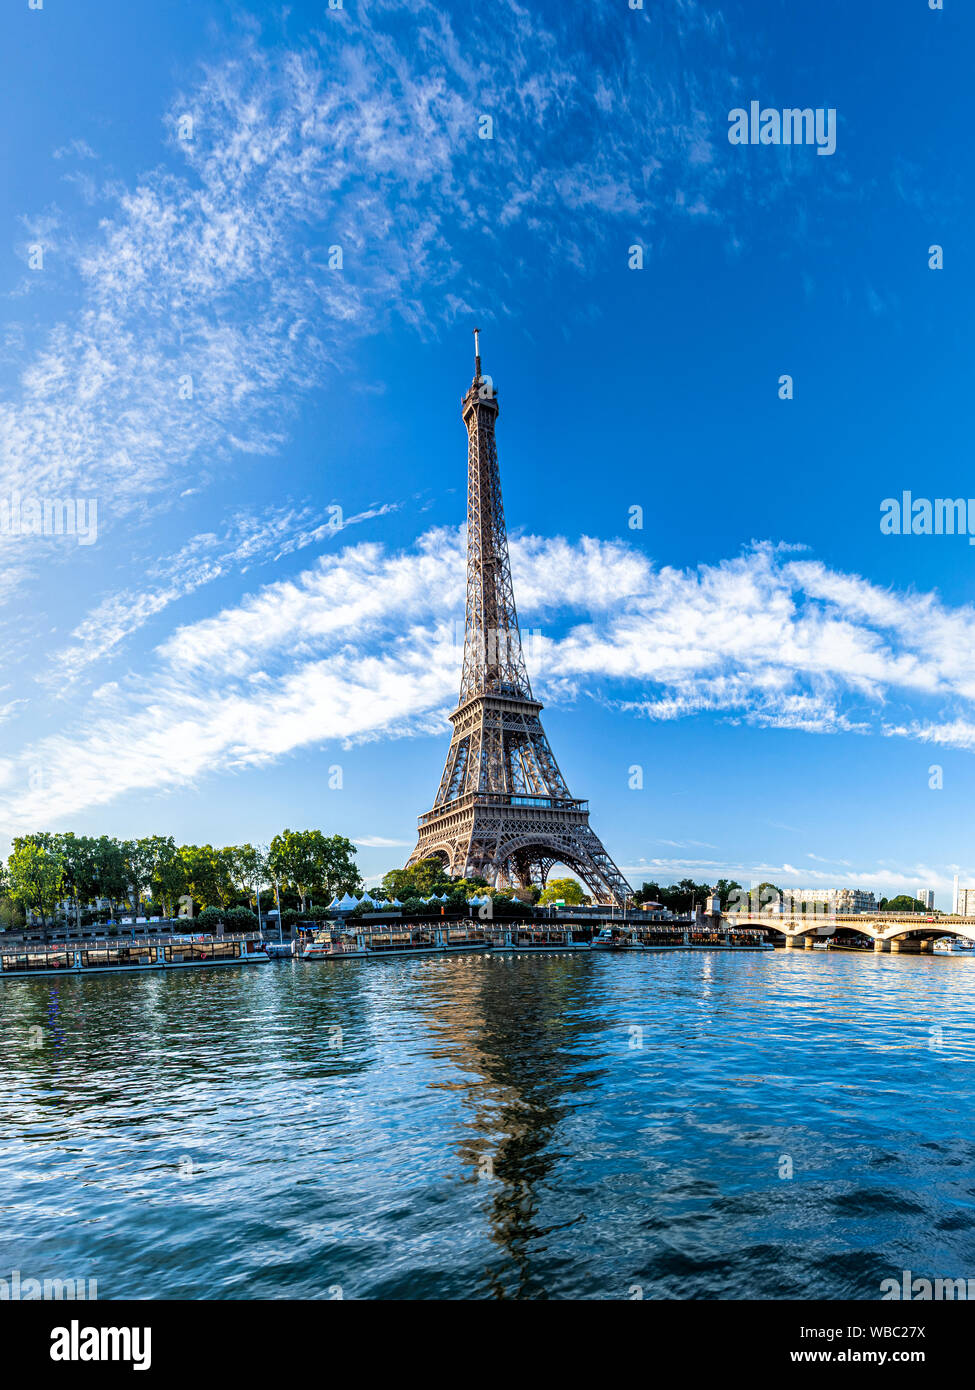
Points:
(168, 877)
(248, 868)
(109, 870)
(764, 896)
(726, 888)
(426, 878)
(678, 898)
(139, 859)
(79, 854)
(36, 871)
(568, 889)
(311, 862)
(903, 903)
(11, 915)
(398, 883)
(206, 874)
(430, 877)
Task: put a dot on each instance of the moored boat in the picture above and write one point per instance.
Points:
(376, 943)
(621, 939)
(540, 940)
(99, 957)
(952, 946)
(280, 950)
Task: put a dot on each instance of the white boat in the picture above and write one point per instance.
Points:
(952, 946)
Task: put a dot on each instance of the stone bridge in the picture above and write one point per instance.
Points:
(889, 931)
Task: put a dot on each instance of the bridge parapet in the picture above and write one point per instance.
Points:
(880, 926)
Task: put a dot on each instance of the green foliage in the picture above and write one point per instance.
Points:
(314, 865)
(11, 915)
(680, 897)
(569, 889)
(902, 903)
(36, 872)
(168, 878)
(726, 888)
(423, 880)
(44, 868)
(234, 919)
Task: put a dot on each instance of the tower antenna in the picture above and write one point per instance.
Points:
(477, 354)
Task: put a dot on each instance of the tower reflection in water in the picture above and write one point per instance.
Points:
(527, 1046)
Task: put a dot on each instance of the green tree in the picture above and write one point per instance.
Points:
(139, 858)
(206, 874)
(766, 895)
(424, 879)
(313, 863)
(904, 903)
(725, 889)
(36, 871)
(569, 889)
(110, 874)
(168, 877)
(11, 915)
(79, 854)
(399, 883)
(248, 869)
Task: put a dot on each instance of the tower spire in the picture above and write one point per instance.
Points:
(477, 354)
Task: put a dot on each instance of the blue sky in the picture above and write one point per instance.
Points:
(183, 352)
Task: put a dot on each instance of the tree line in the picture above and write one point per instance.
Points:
(681, 897)
(46, 868)
(428, 878)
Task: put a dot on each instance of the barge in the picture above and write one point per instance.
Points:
(379, 943)
(616, 939)
(118, 956)
(542, 939)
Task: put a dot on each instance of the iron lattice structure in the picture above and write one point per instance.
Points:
(503, 809)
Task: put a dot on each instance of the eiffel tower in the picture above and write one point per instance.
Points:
(503, 809)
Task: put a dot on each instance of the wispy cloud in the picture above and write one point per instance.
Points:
(248, 539)
(208, 301)
(363, 646)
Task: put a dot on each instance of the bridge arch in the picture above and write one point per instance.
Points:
(925, 931)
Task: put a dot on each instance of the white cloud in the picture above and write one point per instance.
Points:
(363, 646)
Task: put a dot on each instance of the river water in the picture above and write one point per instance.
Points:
(694, 1125)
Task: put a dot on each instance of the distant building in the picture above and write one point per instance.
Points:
(962, 900)
(843, 900)
(925, 897)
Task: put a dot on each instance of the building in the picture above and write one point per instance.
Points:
(842, 900)
(962, 900)
(925, 897)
